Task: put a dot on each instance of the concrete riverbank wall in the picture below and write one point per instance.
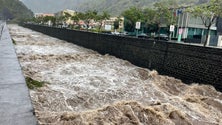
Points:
(16, 107)
(189, 63)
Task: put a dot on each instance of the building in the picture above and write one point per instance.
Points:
(190, 28)
(219, 31)
(219, 26)
(36, 15)
(111, 21)
(64, 13)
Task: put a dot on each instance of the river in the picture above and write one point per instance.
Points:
(84, 87)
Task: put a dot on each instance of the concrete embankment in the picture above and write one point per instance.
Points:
(15, 103)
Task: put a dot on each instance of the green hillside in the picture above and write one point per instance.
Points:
(14, 10)
(115, 7)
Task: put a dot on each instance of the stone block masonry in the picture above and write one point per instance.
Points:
(15, 103)
(189, 63)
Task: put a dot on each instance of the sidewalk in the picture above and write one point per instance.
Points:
(15, 103)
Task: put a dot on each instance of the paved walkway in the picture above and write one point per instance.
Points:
(15, 104)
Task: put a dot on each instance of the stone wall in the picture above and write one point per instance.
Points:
(187, 62)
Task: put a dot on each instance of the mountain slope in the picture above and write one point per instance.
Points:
(14, 10)
(52, 6)
(115, 7)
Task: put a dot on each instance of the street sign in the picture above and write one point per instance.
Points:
(172, 27)
(180, 35)
(180, 31)
(138, 24)
(108, 27)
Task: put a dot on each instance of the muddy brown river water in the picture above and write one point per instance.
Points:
(86, 88)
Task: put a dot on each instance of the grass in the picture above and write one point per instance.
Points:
(13, 41)
(32, 84)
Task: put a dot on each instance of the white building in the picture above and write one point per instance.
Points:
(193, 29)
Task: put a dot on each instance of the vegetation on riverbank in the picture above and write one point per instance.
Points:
(32, 84)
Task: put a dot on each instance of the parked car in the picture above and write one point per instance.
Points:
(143, 35)
(162, 37)
(115, 33)
(107, 32)
(123, 33)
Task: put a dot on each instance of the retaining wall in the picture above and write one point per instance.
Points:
(15, 102)
(187, 62)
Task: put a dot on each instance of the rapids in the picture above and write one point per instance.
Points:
(86, 88)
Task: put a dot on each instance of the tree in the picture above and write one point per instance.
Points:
(39, 19)
(208, 12)
(162, 15)
(131, 16)
(88, 16)
(60, 20)
(75, 18)
(116, 24)
(49, 18)
(67, 16)
(104, 16)
(80, 16)
(148, 20)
